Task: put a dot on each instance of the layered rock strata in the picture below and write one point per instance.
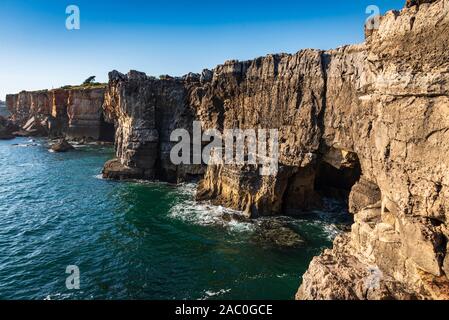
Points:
(73, 113)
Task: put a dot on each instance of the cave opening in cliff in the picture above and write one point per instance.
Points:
(335, 176)
(107, 131)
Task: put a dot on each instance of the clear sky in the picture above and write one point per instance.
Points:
(163, 37)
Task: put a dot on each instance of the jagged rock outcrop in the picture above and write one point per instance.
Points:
(34, 127)
(234, 95)
(75, 113)
(283, 92)
(390, 106)
(145, 111)
(375, 112)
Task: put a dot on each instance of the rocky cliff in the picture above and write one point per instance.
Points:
(75, 113)
(368, 121)
(389, 104)
(145, 111)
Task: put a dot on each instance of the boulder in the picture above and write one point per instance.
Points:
(62, 146)
(364, 193)
(272, 232)
(6, 129)
(115, 170)
(230, 217)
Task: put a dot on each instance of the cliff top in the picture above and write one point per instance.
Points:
(90, 86)
(95, 85)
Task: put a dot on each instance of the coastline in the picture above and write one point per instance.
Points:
(364, 123)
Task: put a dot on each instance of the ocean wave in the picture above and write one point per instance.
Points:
(210, 294)
(204, 213)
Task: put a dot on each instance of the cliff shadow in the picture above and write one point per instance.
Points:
(107, 131)
(336, 174)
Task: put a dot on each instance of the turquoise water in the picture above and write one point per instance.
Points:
(132, 240)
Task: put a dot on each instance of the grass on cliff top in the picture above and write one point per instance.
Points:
(93, 85)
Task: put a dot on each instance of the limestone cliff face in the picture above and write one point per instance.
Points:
(85, 113)
(389, 104)
(74, 113)
(371, 119)
(283, 92)
(24, 105)
(145, 111)
(249, 94)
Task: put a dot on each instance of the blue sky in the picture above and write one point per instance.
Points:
(163, 37)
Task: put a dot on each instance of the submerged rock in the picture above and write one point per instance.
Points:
(115, 170)
(62, 146)
(230, 217)
(272, 232)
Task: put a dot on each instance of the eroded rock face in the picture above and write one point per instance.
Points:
(337, 274)
(25, 105)
(72, 113)
(85, 113)
(380, 108)
(284, 92)
(391, 108)
(145, 111)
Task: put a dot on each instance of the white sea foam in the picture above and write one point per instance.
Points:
(59, 296)
(188, 189)
(79, 146)
(204, 213)
(331, 230)
(25, 145)
(207, 214)
(210, 294)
